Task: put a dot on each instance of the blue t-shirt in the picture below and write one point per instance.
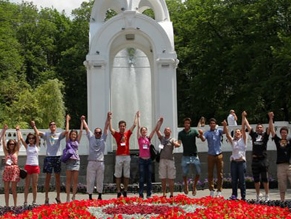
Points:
(214, 141)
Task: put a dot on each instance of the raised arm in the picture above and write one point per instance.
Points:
(38, 133)
(68, 118)
(2, 133)
(21, 138)
(271, 128)
(158, 127)
(134, 122)
(247, 124)
(81, 129)
(110, 123)
(5, 127)
(85, 125)
(138, 126)
(105, 131)
(201, 136)
(225, 130)
(243, 126)
(18, 144)
(153, 131)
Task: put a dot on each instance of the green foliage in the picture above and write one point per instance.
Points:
(24, 104)
(10, 58)
(228, 60)
(233, 54)
(50, 102)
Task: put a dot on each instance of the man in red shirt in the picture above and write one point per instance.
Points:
(122, 160)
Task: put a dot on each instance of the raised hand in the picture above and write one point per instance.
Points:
(271, 115)
(109, 115)
(244, 114)
(68, 117)
(32, 123)
(200, 131)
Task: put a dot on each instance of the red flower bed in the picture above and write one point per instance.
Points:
(140, 209)
(156, 208)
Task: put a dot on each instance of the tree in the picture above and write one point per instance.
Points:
(50, 102)
(227, 57)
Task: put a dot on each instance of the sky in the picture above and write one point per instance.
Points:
(60, 5)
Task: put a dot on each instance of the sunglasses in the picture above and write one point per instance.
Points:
(99, 133)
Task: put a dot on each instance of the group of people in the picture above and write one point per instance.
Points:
(237, 138)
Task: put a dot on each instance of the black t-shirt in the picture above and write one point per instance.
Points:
(283, 151)
(259, 143)
(189, 141)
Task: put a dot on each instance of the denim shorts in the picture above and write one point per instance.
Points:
(187, 160)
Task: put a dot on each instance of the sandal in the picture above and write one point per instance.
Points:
(186, 190)
(194, 191)
(58, 200)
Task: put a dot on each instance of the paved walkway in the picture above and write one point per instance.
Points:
(226, 193)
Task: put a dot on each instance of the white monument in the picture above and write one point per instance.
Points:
(131, 65)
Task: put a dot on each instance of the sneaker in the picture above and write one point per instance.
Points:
(118, 194)
(212, 193)
(259, 197)
(218, 194)
(267, 198)
(233, 197)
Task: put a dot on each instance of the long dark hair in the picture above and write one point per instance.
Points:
(72, 131)
(27, 137)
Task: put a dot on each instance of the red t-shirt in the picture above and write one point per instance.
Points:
(122, 141)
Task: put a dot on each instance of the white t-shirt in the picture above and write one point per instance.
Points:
(32, 155)
(231, 120)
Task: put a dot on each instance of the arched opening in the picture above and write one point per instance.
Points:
(131, 90)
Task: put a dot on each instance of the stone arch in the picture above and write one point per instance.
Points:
(130, 28)
(131, 23)
(100, 8)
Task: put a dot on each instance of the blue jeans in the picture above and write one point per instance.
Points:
(238, 170)
(145, 175)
